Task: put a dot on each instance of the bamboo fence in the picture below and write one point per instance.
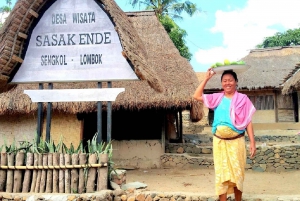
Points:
(53, 172)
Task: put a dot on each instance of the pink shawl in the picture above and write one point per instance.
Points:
(241, 108)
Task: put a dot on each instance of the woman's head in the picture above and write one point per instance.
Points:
(229, 81)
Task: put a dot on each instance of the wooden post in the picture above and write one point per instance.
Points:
(49, 116)
(55, 173)
(10, 173)
(18, 176)
(3, 172)
(99, 117)
(102, 173)
(90, 184)
(39, 174)
(109, 116)
(82, 178)
(67, 174)
(61, 182)
(49, 174)
(44, 174)
(34, 174)
(39, 117)
(74, 174)
(27, 176)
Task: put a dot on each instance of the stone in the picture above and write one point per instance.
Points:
(117, 198)
(180, 150)
(148, 198)
(131, 198)
(118, 192)
(140, 197)
(114, 185)
(71, 197)
(123, 197)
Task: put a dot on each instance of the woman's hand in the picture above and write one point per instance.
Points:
(209, 73)
(252, 150)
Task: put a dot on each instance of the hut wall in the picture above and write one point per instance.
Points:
(137, 153)
(65, 125)
(285, 108)
(18, 126)
(23, 127)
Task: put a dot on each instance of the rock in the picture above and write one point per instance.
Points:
(180, 150)
(131, 198)
(136, 185)
(114, 185)
(140, 197)
(124, 197)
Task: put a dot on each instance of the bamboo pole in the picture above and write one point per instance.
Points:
(27, 175)
(74, 174)
(41, 167)
(61, 182)
(55, 172)
(3, 172)
(18, 173)
(34, 174)
(67, 174)
(82, 178)
(90, 185)
(10, 173)
(102, 173)
(39, 174)
(49, 174)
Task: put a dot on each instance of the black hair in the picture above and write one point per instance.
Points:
(231, 72)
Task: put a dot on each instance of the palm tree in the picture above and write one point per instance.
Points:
(7, 8)
(172, 8)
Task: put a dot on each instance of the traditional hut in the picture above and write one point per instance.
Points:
(262, 82)
(143, 117)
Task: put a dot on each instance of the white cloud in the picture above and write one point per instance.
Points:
(243, 29)
(3, 16)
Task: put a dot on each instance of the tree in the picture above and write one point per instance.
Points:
(177, 36)
(289, 38)
(172, 8)
(167, 11)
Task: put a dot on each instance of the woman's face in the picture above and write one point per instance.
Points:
(228, 83)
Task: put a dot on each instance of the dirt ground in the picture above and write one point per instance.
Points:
(202, 181)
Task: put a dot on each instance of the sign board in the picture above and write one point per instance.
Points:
(73, 95)
(74, 41)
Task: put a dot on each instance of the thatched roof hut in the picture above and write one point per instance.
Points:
(167, 79)
(292, 82)
(268, 69)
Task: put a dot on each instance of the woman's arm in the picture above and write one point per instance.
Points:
(199, 91)
(250, 132)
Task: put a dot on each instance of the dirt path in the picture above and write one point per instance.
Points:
(202, 181)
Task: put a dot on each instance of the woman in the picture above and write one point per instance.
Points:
(232, 117)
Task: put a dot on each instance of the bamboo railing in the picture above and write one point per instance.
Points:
(53, 172)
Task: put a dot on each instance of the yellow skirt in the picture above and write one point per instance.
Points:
(229, 161)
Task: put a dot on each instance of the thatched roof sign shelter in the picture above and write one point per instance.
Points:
(167, 80)
(268, 69)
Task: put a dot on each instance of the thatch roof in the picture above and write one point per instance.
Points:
(292, 82)
(268, 69)
(146, 44)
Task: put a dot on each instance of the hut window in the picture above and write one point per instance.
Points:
(265, 102)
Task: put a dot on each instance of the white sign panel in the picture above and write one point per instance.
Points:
(74, 95)
(74, 41)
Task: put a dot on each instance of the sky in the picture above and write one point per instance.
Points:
(229, 29)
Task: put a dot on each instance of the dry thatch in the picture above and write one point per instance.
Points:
(268, 69)
(146, 44)
(292, 81)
